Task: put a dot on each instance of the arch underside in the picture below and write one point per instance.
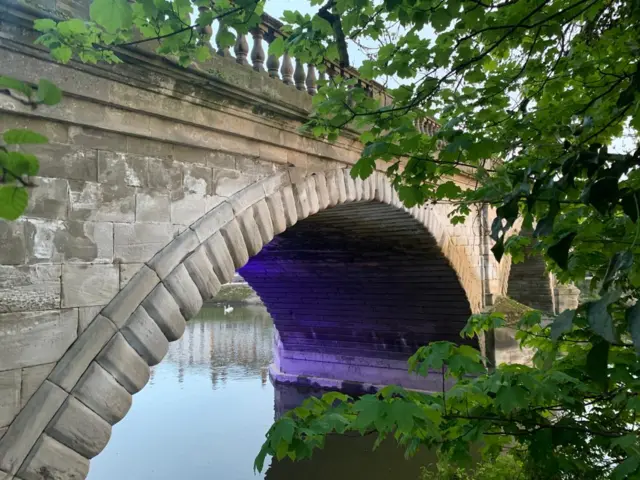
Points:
(331, 282)
(354, 291)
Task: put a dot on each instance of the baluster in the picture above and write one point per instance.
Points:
(222, 51)
(241, 49)
(257, 52)
(299, 76)
(273, 64)
(287, 69)
(312, 81)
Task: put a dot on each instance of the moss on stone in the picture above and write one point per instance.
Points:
(511, 309)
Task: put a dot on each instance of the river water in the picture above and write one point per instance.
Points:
(206, 409)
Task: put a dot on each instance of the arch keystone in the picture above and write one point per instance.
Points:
(51, 459)
(168, 309)
(73, 364)
(145, 336)
(276, 210)
(78, 427)
(127, 300)
(220, 257)
(202, 273)
(235, 243)
(99, 391)
(123, 362)
(250, 232)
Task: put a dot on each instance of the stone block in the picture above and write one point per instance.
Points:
(289, 204)
(276, 212)
(52, 460)
(221, 160)
(235, 243)
(152, 206)
(228, 182)
(139, 242)
(212, 221)
(198, 179)
(89, 285)
(332, 187)
(32, 378)
(145, 336)
(323, 190)
(202, 273)
(14, 247)
(28, 425)
(255, 167)
(171, 255)
(312, 195)
(123, 362)
(220, 257)
(275, 182)
(55, 132)
(262, 217)
(122, 168)
(99, 391)
(28, 288)
(301, 200)
(102, 202)
(34, 338)
(246, 197)
(10, 385)
(164, 174)
(149, 147)
(69, 242)
(128, 270)
(66, 161)
(78, 358)
(350, 186)
(86, 316)
(187, 207)
(250, 232)
(134, 292)
(88, 137)
(165, 308)
(79, 428)
(359, 188)
(50, 199)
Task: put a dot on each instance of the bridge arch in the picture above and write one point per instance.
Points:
(68, 419)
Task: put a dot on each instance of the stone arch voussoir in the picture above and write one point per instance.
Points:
(68, 420)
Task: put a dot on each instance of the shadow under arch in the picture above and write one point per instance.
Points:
(68, 420)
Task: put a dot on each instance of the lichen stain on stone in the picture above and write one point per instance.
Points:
(74, 244)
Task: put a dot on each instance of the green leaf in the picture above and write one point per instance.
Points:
(277, 47)
(62, 54)
(559, 251)
(44, 25)
(17, 85)
(510, 398)
(597, 362)
(562, 324)
(202, 53)
(633, 321)
(13, 201)
(19, 164)
(599, 318)
(626, 468)
(48, 93)
(112, 15)
(19, 136)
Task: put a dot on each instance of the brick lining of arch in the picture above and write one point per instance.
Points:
(68, 420)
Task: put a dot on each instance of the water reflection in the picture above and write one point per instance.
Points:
(207, 407)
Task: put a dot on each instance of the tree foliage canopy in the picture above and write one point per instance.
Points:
(530, 96)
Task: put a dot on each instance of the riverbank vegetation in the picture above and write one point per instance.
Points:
(538, 102)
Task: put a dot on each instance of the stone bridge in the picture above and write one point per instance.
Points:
(158, 184)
